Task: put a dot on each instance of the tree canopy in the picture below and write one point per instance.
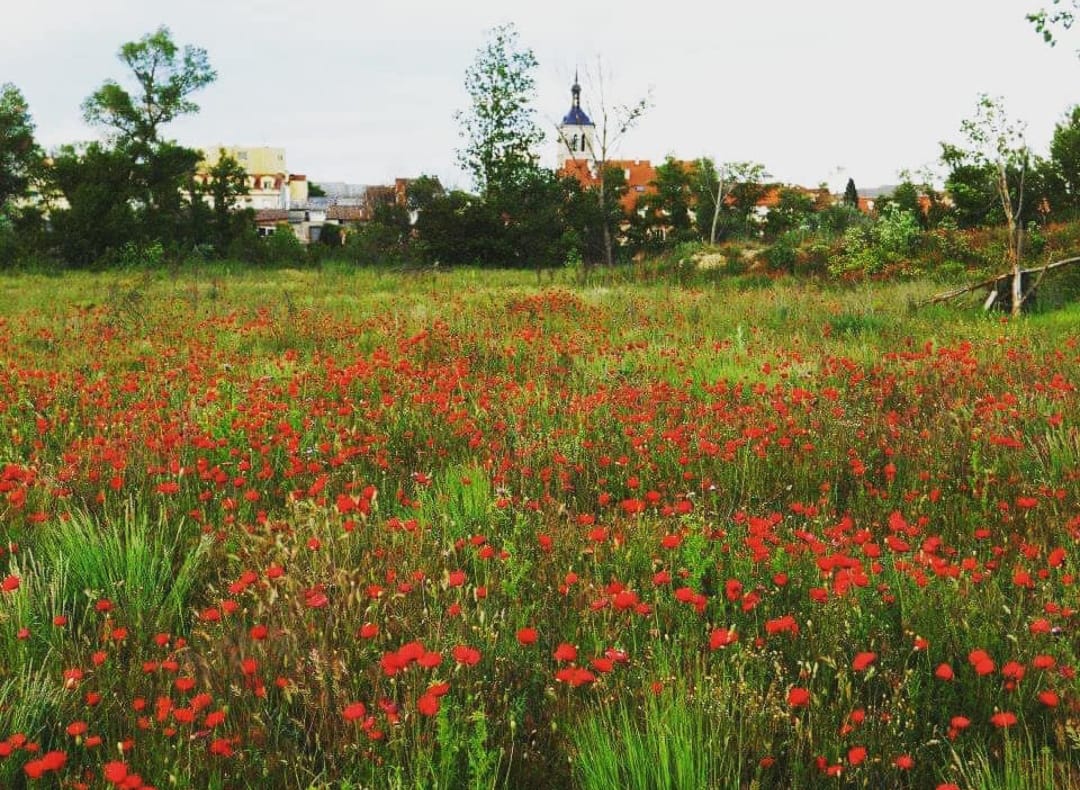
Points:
(19, 153)
(499, 128)
(165, 77)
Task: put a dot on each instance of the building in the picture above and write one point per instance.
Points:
(270, 184)
(576, 134)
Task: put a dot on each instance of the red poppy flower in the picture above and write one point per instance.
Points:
(428, 704)
(526, 636)
(469, 656)
(1049, 698)
(863, 660)
(115, 772)
(354, 711)
(798, 697)
(1003, 719)
(565, 652)
(722, 637)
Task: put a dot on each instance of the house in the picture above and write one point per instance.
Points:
(270, 185)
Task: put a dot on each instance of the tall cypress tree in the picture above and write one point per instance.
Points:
(851, 194)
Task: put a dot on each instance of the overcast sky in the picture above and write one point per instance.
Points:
(364, 91)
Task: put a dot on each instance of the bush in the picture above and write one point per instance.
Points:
(784, 252)
(282, 247)
(870, 249)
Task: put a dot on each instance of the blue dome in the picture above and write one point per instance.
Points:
(576, 117)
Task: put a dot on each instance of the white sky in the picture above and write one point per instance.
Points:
(365, 90)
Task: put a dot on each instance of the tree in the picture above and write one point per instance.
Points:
(743, 186)
(228, 181)
(20, 156)
(165, 79)
(314, 190)
(793, 211)
(422, 192)
(159, 174)
(499, 129)
(1059, 15)
(98, 216)
(615, 121)
(851, 194)
(996, 147)
(669, 205)
(1065, 159)
(735, 183)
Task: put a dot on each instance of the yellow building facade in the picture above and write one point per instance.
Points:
(270, 184)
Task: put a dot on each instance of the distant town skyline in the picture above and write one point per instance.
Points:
(816, 92)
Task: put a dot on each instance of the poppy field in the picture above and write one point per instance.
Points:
(360, 529)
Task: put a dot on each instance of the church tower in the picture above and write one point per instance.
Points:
(577, 134)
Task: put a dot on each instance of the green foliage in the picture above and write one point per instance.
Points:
(870, 249)
(228, 181)
(283, 248)
(794, 211)
(1020, 765)
(99, 215)
(149, 568)
(140, 188)
(499, 128)
(669, 207)
(20, 157)
(165, 78)
(1065, 162)
(375, 244)
(666, 742)
(834, 220)
(1060, 14)
(851, 194)
(783, 254)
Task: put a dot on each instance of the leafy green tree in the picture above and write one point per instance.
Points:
(794, 211)
(729, 184)
(314, 190)
(499, 128)
(614, 122)
(851, 194)
(996, 149)
(228, 181)
(282, 246)
(706, 190)
(20, 157)
(95, 183)
(165, 78)
(747, 188)
(1059, 15)
(1065, 161)
(156, 174)
(668, 208)
(422, 192)
(461, 229)
(535, 221)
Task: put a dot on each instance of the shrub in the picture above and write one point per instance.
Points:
(282, 246)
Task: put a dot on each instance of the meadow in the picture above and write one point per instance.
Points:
(337, 528)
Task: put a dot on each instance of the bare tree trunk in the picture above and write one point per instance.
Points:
(604, 214)
(716, 209)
